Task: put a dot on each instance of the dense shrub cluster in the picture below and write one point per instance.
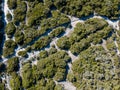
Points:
(9, 17)
(38, 12)
(57, 32)
(10, 29)
(84, 8)
(9, 48)
(95, 66)
(19, 37)
(13, 64)
(34, 24)
(51, 67)
(41, 43)
(12, 4)
(20, 12)
(92, 31)
(64, 43)
(2, 86)
(52, 50)
(22, 53)
(57, 19)
(15, 81)
(43, 54)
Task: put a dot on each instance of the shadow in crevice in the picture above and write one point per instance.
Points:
(87, 17)
(2, 29)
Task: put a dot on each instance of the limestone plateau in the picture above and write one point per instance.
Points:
(59, 44)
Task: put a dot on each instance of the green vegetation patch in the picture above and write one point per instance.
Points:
(13, 64)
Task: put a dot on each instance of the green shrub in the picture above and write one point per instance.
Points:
(76, 48)
(52, 51)
(60, 75)
(15, 81)
(12, 4)
(2, 86)
(9, 17)
(27, 78)
(59, 87)
(63, 43)
(37, 13)
(20, 12)
(54, 65)
(41, 43)
(86, 8)
(10, 44)
(30, 35)
(8, 53)
(9, 49)
(22, 53)
(45, 84)
(19, 36)
(10, 29)
(57, 32)
(56, 20)
(43, 54)
(71, 77)
(13, 64)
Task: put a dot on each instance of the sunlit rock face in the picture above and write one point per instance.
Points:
(119, 24)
